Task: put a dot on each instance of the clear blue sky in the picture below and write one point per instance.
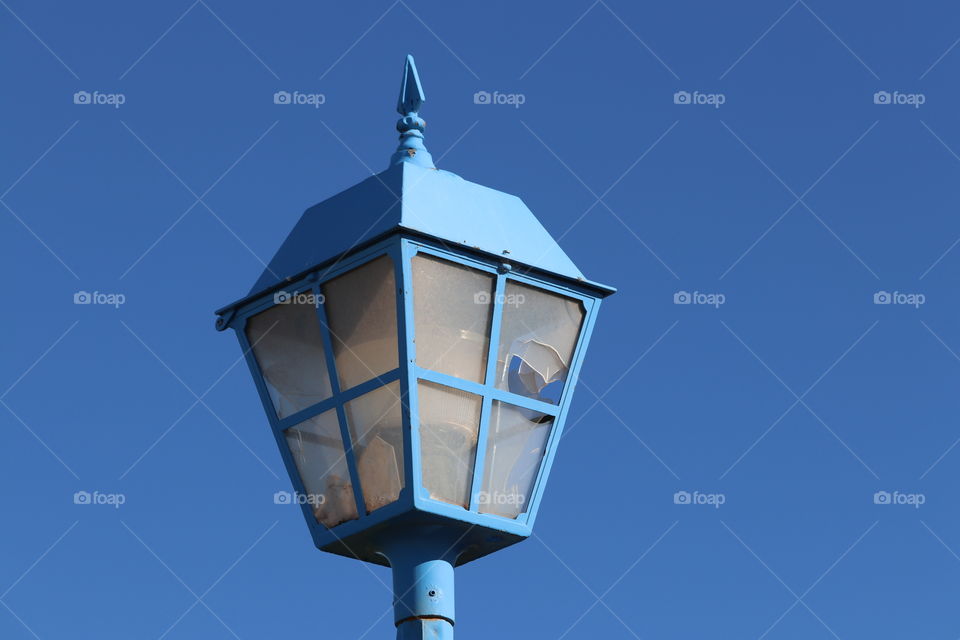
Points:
(798, 399)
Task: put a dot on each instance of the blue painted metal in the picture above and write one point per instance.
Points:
(430, 203)
(411, 125)
(412, 195)
(484, 390)
(422, 563)
(408, 362)
(489, 381)
(408, 209)
(339, 398)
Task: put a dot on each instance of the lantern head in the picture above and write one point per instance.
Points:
(415, 343)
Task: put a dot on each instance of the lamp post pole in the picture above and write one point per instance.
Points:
(423, 583)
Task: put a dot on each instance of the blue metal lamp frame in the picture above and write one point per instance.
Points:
(402, 250)
(421, 538)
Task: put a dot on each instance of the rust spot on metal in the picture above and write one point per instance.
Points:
(412, 618)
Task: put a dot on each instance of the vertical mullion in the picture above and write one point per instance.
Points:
(406, 341)
(341, 413)
(489, 380)
(494, 346)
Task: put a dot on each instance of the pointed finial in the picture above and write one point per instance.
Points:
(411, 91)
(411, 125)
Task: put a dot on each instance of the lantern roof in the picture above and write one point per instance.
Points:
(413, 196)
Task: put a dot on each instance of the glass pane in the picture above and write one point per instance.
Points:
(516, 442)
(288, 347)
(317, 449)
(449, 422)
(537, 336)
(376, 430)
(452, 310)
(361, 308)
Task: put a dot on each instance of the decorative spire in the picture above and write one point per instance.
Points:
(411, 125)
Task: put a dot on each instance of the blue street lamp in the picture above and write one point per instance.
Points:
(415, 342)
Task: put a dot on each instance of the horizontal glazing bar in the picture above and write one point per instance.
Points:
(341, 398)
(492, 392)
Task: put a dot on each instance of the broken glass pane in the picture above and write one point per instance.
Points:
(516, 442)
(538, 335)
